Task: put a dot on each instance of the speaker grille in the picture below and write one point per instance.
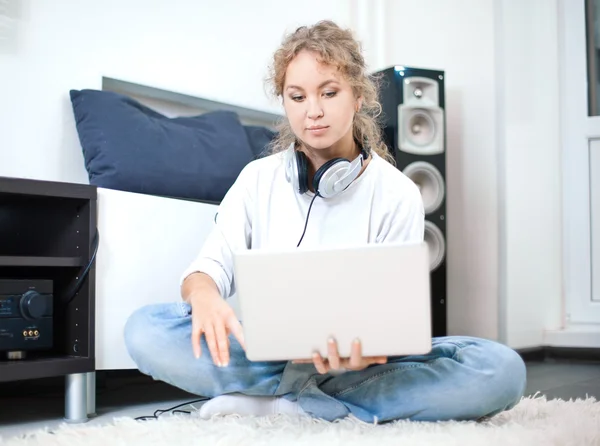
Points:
(436, 243)
(430, 182)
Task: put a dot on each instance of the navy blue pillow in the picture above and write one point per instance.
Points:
(127, 146)
(259, 139)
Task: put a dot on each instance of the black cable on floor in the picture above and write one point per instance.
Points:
(159, 412)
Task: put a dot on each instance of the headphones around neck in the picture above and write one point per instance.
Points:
(330, 179)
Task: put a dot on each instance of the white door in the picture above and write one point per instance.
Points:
(580, 125)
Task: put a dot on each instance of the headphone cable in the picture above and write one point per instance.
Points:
(307, 215)
(74, 289)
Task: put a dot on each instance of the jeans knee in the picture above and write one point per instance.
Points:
(511, 375)
(136, 333)
(517, 369)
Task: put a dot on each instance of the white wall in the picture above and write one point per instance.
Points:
(458, 37)
(530, 170)
(503, 170)
(216, 50)
(500, 63)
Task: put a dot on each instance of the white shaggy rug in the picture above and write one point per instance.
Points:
(534, 421)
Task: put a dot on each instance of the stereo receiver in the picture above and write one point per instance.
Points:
(26, 316)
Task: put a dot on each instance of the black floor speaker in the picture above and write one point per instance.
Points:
(414, 128)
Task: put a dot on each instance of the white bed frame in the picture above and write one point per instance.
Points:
(135, 264)
(145, 244)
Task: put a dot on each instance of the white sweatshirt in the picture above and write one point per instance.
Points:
(262, 210)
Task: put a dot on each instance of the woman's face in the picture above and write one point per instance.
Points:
(318, 102)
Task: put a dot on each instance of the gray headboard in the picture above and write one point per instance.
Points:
(178, 104)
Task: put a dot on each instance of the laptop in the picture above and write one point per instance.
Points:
(292, 301)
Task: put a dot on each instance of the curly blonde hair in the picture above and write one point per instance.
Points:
(339, 48)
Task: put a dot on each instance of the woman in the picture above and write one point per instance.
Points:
(197, 345)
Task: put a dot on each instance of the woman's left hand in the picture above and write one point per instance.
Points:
(334, 362)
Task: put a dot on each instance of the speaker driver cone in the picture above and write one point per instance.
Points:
(430, 182)
(436, 243)
(420, 127)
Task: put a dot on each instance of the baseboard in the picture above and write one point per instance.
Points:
(532, 353)
(56, 384)
(557, 353)
(574, 336)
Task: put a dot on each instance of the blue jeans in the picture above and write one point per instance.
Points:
(462, 378)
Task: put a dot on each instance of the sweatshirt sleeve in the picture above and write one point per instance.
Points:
(406, 221)
(231, 232)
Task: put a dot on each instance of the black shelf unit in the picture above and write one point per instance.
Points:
(40, 261)
(47, 231)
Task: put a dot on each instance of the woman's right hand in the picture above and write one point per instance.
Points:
(214, 318)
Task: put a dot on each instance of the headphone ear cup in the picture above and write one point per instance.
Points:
(323, 170)
(302, 169)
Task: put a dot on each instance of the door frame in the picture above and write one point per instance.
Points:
(577, 129)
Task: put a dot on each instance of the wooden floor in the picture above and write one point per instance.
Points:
(564, 379)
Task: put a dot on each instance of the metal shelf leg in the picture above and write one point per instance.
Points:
(76, 398)
(91, 393)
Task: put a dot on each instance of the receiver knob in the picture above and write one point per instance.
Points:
(33, 305)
